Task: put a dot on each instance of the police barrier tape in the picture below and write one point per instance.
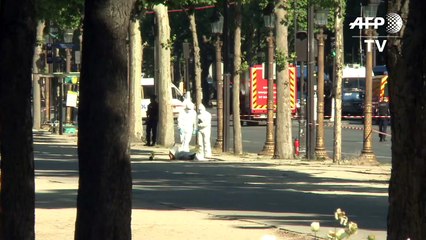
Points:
(326, 124)
(359, 117)
(296, 116)
(359, 128)
(355, 128)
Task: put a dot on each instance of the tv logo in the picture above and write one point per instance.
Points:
(393, 24)
(380, 46)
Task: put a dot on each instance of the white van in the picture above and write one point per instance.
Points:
(148, 88)
(353, 90)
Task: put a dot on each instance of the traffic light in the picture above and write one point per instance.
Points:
(302, 46)
(301, 35)
(333, 46)
(49, 53)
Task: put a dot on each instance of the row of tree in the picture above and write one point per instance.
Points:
(104, 195)
(283, 137)
(244, 52)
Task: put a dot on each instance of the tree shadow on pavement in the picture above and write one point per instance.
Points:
(256, 192)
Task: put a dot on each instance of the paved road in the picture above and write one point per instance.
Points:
(290, 197)
(352, 139)
(287, 194)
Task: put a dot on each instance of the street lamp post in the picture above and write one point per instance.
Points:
(302, 56)
(268, 148)
(321, 21)
(367, 153)
(186, 57)
(60, 88)
(227, 69)
(53, 31)
(217, 29)
(78, 51)
(310, 131)
(68, 34)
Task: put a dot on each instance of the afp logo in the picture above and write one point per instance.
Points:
(393, 23)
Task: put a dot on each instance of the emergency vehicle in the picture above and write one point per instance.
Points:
(380, 90)
(353, 90)
(148, 88)
(254, 95)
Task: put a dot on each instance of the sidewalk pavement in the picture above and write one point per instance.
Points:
(293, 193)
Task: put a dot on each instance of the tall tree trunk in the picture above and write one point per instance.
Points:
(135, 75)
(339, 13)
(105, 184)
(283, 135)
(197, 58)
(38, 49)
(17, 39)
(165, 134)
(238, 142)
(407, 68)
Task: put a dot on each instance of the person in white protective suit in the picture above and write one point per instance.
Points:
(186, 125)
(187, 96)
(204, 131)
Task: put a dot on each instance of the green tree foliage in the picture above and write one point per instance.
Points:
(63, 13)
(179, 26)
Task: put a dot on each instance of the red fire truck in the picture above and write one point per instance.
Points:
(254, 95)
